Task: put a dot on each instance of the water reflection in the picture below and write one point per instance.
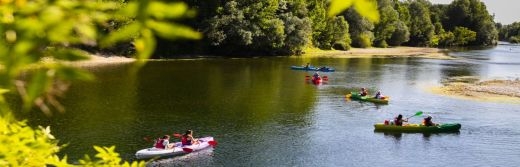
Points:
(200, 158)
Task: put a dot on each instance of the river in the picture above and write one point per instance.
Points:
(262, 113)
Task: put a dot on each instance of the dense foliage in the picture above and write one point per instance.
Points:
(38, 30)
(510, 33)
(287, 27)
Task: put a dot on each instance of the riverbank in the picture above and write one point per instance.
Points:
(99, 60)
(502, 91)
(422, 52)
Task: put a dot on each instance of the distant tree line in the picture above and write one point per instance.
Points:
(509, 33)
(287, 27)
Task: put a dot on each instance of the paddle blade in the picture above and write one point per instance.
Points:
(213, 143)
(177, 135)
(187, 150)
(418, 113)
(147, 139)
(325, 78)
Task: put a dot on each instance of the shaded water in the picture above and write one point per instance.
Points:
(264, 114)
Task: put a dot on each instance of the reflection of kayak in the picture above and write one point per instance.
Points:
(312, 68)
(357, 96)
(179, 149)
(418, 128)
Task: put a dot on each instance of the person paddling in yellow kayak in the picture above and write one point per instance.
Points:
(428, 121)
(379, 95)
(363, 92)
(398, 121)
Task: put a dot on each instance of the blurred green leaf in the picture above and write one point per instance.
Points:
(69, 54)
(368, 9)
(61, 32)
(87, 31)
(337, 6)
(145, 45)
(71, 73)
(126, 33)
(52, 15)
(23, 47)
(162, 10)
(39, 83)
(173, 31)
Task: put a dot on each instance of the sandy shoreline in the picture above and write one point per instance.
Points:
(502, 91)
(422, 52)
(99, 60)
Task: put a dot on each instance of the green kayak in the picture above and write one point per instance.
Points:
(354, 95)
(418, 128)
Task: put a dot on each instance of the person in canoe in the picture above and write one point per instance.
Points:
(379, 95)
(187, 138)
(363, 92)
(315, 76)
(398, 121)
(428, 121)
(307, 66)
(163, 143)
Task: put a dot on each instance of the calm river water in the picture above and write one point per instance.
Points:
(262, 113)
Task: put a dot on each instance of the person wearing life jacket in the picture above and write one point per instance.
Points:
(399, 120)
(163, 143)
(363, 92)
(428, 121)
(187, 138)
(379, 95)
(307, 66)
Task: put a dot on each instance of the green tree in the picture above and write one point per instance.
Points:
(400, 35)
(360, 29)
(386, 27)
(40, 29)
(510, 33)
(473, 15)
(262, 27)
(421, 27)
(463, 36)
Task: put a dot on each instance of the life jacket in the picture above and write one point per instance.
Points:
(185, 141)
(398, 122)
(159, 144)
(427, 122)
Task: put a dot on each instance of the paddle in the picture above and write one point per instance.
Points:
(325, 78)
(416, 114)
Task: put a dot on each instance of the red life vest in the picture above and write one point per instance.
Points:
(159, 144)
(185, 141)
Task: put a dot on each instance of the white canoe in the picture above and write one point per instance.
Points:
(179, 149)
